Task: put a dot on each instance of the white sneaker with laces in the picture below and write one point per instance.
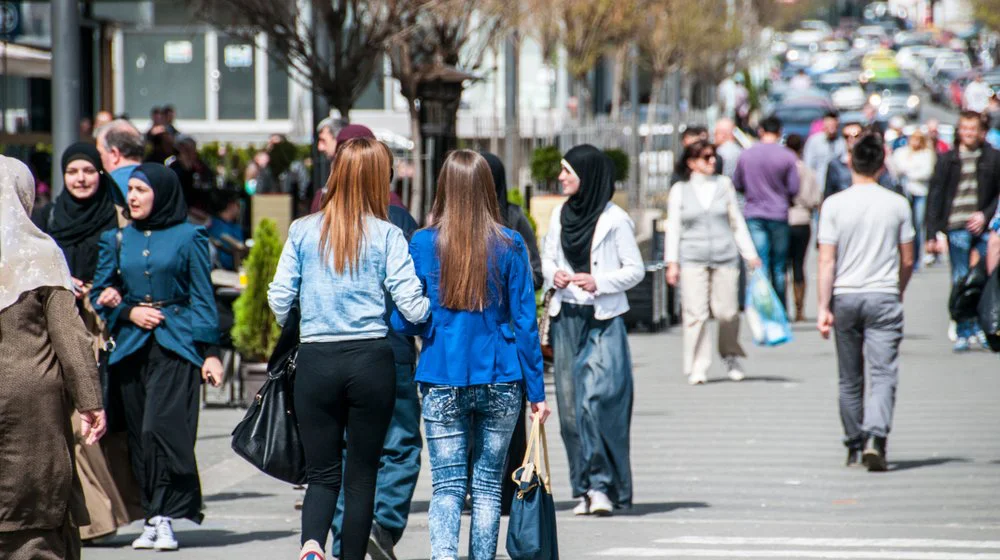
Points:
(735, 368)
(147, 540)
(583, 508)
(600, 504)
(165, 536)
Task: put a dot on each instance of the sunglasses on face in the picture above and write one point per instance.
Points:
(850, 136)
(706, 157)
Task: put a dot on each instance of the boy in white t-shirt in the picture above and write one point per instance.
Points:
(865, 261)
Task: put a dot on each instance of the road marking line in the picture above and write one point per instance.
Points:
(829, 542)
(822, 554)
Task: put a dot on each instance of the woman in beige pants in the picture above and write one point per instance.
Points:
(706, 235)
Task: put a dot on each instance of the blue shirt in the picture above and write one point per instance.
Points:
(497, 345)
(348, 306)
(170, 265)
(403, 348)
(216, 229)
(121, 177)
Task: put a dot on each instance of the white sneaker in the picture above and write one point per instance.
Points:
(147, 540)
(697, 379)
(952, 331)
(735, 369)
(600, 504)
(165, 536)
(583, 508)
(311, 550)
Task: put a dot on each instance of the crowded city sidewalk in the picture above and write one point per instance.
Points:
(723, 470)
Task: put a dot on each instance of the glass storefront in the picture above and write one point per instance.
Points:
(165, 69)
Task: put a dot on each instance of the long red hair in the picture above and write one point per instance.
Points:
(357, 188)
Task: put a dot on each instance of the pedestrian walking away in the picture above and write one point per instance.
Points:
(800, 219)
(337, 265)
(915, 162)
(823, 147)
(481, 352)
(865, 263)
(47, 371)
(706, 236)
(767, 174)
(961, 197)
(76, 219)
(591, 258)
(399, 466)
(153, 287)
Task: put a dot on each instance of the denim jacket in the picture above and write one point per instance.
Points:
(169, 267)
(347, 306)
(497, 345)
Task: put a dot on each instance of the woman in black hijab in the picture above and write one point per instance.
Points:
(154, 289)
(591, 259)
(76, 219)
(514, 217)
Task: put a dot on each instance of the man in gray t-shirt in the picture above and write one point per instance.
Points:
(865, 261)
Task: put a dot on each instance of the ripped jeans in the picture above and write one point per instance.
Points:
(483, 416)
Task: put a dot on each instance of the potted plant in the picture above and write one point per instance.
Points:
(255, 331)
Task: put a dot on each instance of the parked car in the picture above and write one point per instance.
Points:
(894, 97)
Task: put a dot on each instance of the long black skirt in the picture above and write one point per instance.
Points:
(160, 397)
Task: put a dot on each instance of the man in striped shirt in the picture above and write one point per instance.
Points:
(962, 196)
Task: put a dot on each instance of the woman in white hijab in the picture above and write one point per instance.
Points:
(46, 354)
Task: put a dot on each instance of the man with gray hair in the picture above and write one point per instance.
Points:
(122, 148)
(327, 131)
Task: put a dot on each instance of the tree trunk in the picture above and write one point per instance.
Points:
(621, 56)
(417, 184)
(654, 98)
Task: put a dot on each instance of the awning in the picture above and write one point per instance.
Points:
(27, 62)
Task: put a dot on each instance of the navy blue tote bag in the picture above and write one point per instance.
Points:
(531, 532)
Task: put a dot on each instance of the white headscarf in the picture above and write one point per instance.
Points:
(29, 259)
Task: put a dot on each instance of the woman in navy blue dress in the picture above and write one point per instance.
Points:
(153, 287)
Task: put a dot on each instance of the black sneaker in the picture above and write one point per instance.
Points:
(873, 456)
(853, 457)
(380, 544)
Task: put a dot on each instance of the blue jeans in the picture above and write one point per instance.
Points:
(771, 239)
(400, 463)
(919, 213)
(486, 414)
(960, 246)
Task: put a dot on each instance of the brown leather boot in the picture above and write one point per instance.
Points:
(800, 301)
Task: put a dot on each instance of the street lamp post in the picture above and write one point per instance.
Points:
(65, 83)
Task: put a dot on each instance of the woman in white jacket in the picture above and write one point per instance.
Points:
(914, 163)
(591, 258)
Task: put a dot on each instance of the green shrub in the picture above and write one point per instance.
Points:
(255, 331)
(621, 163)
(546, 163)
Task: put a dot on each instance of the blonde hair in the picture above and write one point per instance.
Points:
(357, 188)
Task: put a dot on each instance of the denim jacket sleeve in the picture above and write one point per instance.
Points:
(205, 323)
(523, 314)
(401, 281)
(106, 276)
(284, 289)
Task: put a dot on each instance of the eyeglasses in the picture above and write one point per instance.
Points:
(848, 136)
(706, 157)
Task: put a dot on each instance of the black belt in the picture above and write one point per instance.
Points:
(159, 304)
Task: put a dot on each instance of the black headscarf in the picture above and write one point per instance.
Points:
(500, 182)
(77, 224)
(169, 208)
(581, 212)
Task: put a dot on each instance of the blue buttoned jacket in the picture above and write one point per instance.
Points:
(165, 266)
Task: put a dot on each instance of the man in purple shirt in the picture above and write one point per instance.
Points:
(767, 176)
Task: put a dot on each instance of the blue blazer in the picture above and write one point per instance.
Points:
(170, 265)
(497, 345)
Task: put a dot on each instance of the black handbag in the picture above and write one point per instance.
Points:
(531, 531)
(989, 311)
(965, 294)
(268, 436)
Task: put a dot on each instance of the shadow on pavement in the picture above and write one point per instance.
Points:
(202, 538)
(756, 379)
(229, 496)
(642, 509)
(916, 464)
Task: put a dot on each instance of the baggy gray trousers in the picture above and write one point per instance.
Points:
(869, 328)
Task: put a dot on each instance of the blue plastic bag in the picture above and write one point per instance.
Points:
(765, 312)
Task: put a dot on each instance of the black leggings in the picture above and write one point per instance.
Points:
(798, 247)
(342, 386)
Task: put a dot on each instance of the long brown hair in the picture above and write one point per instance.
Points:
(467, 216)
(357, 188)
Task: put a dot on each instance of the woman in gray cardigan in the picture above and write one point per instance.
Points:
(706, 235)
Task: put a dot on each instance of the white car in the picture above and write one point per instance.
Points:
(907, 57)
(950, 61)
(849, 98)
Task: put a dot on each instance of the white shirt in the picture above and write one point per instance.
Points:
(977, 96)
(616, 263)
(866, 223)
